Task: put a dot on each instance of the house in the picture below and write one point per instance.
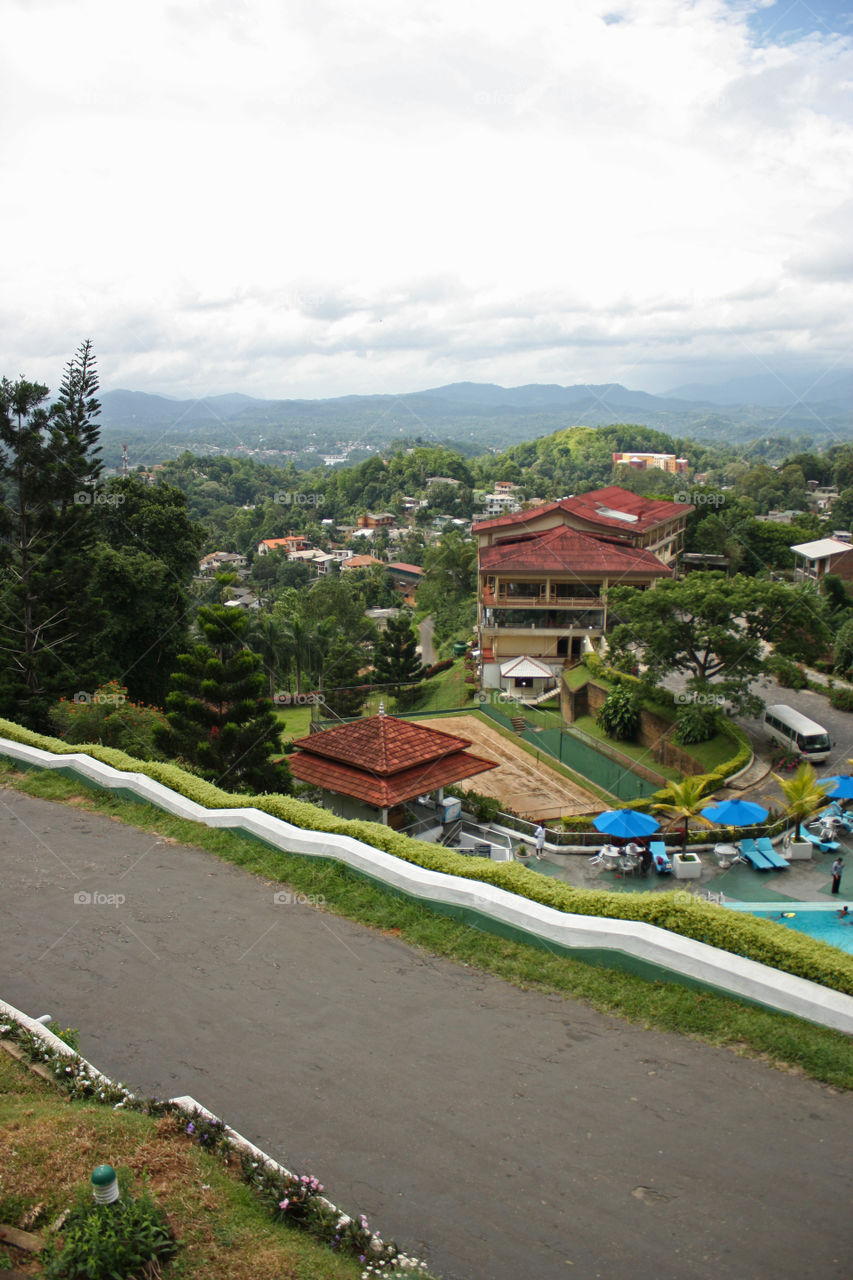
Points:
(544, 574)
(407, 579)
(360, 562)
(370, 767)
(499, 503)
(376, 520)
(291, 543)
(221, 560)
(814, 560)
(526, 679)
(319, 560)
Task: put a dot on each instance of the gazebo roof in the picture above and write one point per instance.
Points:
(384, 761)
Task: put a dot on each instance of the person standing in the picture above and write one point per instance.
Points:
(539, 836)
(837, 867)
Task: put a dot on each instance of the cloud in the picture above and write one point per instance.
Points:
(332, 199)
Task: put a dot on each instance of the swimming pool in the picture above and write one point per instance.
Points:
(815, 919)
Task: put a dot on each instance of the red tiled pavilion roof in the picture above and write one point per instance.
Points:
(565, 550)
(384, 761)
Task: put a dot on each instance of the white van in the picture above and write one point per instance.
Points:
(791, 729)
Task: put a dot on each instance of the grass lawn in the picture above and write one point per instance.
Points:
(632, 750)
(295, 722)
(778, 1039)
(50, 1145)
(445, 692)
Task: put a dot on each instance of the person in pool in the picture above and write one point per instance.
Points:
(844, 912)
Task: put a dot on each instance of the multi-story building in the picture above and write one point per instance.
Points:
(544, 574)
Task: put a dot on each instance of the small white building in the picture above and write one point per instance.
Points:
(526, 679)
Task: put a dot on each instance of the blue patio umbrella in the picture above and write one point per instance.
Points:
(735, 813)
(625, 824)
(841, 787)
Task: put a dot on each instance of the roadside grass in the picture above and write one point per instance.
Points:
(783, 1041)
(295, 722)
(446, 691)
(49, 1146)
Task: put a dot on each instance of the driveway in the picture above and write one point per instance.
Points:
(503, 1133)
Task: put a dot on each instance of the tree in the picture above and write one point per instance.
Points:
(48, 474)
(342, 693)
(803, 794)
(395, 660)
(219, 719)
(619, 716)
(686, 800)
(713, 629)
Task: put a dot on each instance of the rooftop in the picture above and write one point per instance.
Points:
(610, 509)
(568, 551)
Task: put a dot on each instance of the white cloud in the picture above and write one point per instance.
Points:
(303, 198)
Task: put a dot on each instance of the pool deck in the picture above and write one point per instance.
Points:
(807, 881)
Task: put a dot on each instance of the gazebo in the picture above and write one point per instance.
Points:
(369, 768)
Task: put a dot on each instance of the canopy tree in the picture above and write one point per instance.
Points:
(713, 629)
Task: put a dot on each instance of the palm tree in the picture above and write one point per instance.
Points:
(803, 793)
(265, 637)
(686, 799)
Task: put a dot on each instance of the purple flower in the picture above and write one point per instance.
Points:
(190, 1127)
(283, 1204)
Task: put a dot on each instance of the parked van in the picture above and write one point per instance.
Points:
(791, 729)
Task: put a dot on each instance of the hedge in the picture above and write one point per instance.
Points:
(744, 935)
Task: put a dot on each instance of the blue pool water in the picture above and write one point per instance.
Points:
(805, 917)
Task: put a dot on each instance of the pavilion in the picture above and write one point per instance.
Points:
(369, 768)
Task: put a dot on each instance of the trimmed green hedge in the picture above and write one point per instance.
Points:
(744, 935)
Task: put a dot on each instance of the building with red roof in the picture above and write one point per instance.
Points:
(544, 574)
(369, 768)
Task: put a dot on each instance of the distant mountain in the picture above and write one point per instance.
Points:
(469, 416)
(772, 391)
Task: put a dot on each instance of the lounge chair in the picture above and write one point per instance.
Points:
(751, 853)
(775, 859)
(660, 857)
(825, 846)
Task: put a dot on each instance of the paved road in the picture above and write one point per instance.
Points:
(426, 627)
(520, 1135)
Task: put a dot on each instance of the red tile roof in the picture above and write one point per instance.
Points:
(384, 761)
(648, 511)
(360, 562)
(407, 568)
(568, 551)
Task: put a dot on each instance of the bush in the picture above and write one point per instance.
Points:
(109, 1242)
(695, 723)
(789, 674)
(106, 716)
(841, 698)
(619, 716)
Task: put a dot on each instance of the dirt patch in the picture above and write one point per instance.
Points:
(527, 786)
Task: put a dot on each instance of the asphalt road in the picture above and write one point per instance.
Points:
(503, 1134)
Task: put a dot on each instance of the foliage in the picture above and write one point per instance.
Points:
(803, 793)
(684, 800)
(109, 717)
(484, 808)
(841, 698)
(843, 648)
(48, 475)
(219, 718)
(712, 629)
(110, 1242)
(695, 723)
(789, 674)
(395, 659)
(619, 716)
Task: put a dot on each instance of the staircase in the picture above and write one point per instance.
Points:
(519, 724)
(451, 835)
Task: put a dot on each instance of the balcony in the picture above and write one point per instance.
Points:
(541, 600)
(579, 619)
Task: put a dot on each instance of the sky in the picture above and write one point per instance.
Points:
(305, 198)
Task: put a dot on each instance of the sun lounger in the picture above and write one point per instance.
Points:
(660, 857)
(825, 846)
(775, 859)
(751, 853)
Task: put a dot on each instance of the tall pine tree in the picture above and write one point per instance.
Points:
(220, 719)
(395, 658)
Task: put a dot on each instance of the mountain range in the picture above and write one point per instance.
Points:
(471, 416)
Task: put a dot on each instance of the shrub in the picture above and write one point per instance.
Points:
(109, 1242)
(789, 674)
(841, 698)
(619, 716)
(108, 717)
(695, 723)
